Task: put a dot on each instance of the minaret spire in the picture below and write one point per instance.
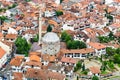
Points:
(40, 21)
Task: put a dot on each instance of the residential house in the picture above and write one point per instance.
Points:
(7, 47)
(98, 47)
(11, 37)
(79, 53)
(68, 61)
(16, 63)
(3, 57)
(33, 61)
(114, 27)
(43, 74)
(94, 71)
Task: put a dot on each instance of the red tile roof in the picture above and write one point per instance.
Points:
(18, 75)
(81, 51)
(96, 45)
(95, 69)
(2, 52)
(68, 60)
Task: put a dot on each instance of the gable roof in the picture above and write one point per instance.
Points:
(17, 61)
(96, 45)
(94, 69)
(68, 60)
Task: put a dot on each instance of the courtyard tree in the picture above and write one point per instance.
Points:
(82, 45)
(69, 44)
(63, 35)
(95, 78)
(49, 28)
(22, 45)
(35, 38)
(67, 38)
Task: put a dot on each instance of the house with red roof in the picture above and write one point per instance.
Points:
(94, 70)
(79, 53)
(98, 47)
(3, 57)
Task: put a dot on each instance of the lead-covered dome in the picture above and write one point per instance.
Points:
(50, 43)
(50, 37)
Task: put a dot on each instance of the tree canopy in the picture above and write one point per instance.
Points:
(76, 44)
(72, 44)
(22, 45)
(59, 13)
(95, 78)
(35, 38)
(49, 28)
(3, 18)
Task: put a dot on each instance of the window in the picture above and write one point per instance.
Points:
(83, 55)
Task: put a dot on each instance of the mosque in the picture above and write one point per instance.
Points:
(50, 41)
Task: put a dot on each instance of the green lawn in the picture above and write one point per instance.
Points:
(104, 72)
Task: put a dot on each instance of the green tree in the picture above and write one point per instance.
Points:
(118, 50)
(63, 35)
(22, 45)
(67, 38)
(69, 44)
(104, 39)
(49, 28)
(79, 65)
(12, 6)
(83, 67)
(111, 36)
(36, 38)
(111, 65)
(77, 78)
(58, 13)
(110, 51)
(2, 19)
(118, 39)
(82, 45)
(116, 58)
(95, 78)
(61, 1)
(76, 44)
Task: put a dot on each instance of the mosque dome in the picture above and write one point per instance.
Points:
(50, 37)
(50, 43)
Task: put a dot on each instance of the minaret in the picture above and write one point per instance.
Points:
(40, 22)
(40, 26)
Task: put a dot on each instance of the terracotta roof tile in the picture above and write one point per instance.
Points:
(35, 58)
(18, 75)
(11, 36)
(2, 52)
(95, 69)
(81, 51)
(96, 45)
(68, 60)
(17, 61)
